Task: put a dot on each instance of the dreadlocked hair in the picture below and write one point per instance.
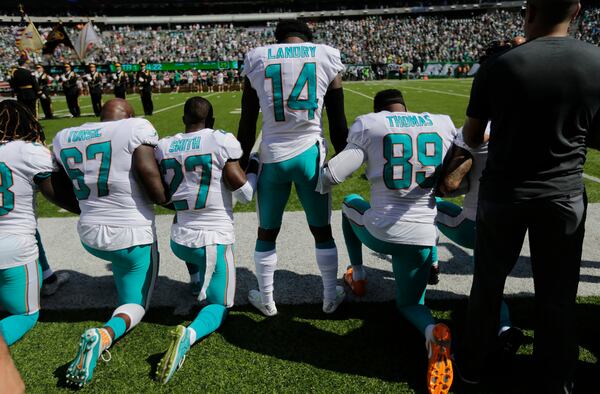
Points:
(18, 123)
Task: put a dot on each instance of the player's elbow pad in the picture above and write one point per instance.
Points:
(245, 193)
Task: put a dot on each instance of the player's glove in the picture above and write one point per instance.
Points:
(253, 164)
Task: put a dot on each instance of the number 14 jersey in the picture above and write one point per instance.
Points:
(291, 81)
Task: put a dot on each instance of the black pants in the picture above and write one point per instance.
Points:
(556, 230)
(120, 92)
(73, 103)
(96, 102)
(147, 102)
(30, 103)
(46, 107)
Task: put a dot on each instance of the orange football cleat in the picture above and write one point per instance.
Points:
(439, 370)
(359, 287)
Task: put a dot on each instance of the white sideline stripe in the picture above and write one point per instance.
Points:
(437, 91)
(174, 106)
(586, 176)
(591, 178)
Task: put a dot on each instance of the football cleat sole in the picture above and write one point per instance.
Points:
(174, 358)
(439, 370)
(81, 369)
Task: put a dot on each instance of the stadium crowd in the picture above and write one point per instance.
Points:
(370, 40)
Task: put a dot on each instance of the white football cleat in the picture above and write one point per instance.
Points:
(331, 306)
(266, 309)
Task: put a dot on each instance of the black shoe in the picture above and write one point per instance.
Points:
(509, 342)
(434, 275)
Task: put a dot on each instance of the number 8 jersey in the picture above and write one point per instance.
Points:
(403, 151)
(291, 81)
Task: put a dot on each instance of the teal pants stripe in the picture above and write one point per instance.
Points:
(275, 184)
(218, 286)
(134, 270)
(464, 233)
(410, 264)
(19, 296)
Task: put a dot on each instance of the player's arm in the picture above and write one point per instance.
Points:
(10, 380)
(334, 104)
(58, 189)
(338, 169)
(593, 139)
(474, 132)
(247, 127)
(454, 170)
(241, 184)
(147, 172)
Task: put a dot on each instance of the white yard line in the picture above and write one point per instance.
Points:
(175, 106)
(591, 178)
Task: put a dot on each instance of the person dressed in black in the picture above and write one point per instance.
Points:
(120, 80)
(95, 86)
(25, 86)
(144, 83)
(71, 90)
(544, 108)
(44, 81)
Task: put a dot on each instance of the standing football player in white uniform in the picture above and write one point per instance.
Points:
(290, 82)
(403, 151)
(201, 167)
(26, 166)
(116, 179)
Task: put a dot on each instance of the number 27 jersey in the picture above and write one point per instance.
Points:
(291, 81)
(404, 151)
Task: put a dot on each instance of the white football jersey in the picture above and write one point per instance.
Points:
(20, 162)
(479, 159)
(403, 152)
(291, 81)
(98, 158)
(192, 165)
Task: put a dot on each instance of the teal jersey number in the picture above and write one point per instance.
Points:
(7, 197)
(307, 78)
(82, 192)
(197, 163)
(104, 149)
(398, 150)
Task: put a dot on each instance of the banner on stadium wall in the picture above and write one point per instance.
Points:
(106, 68)
(445, 69)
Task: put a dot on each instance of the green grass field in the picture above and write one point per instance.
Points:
(362, 348)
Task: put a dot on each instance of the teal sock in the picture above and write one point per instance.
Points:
(13, 327)
(353, 244)
(504, 316)
(208, 321)
(118, 326)
(264, 246)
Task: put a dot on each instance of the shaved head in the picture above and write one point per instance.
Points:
(197, 112)
(116, 109)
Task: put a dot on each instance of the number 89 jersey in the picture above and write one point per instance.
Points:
(404, 151)
(192, 165)
(291, 81)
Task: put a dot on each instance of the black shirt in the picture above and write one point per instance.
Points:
(543, 98)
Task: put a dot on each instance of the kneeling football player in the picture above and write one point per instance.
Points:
(403, 151)
(203, 173)
(116, 179)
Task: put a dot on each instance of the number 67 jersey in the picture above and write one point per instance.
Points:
(404, 152)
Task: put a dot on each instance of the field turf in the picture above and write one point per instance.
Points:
(362, 348)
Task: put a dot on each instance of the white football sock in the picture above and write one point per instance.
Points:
(192, 333)
(502, 329)
(134, 311)
(435, 264)
(195, 277)
(429, 339)
(47, 273)
(358, 272)
(327, 260)
(265, 262)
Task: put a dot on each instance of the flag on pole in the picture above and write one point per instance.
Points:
(57, 36)
(28, 39)
(86, 41)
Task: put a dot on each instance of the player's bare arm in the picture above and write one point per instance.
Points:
(334, 104)
(147, 172)
(454, 171)
(58, 189)
(247, 127)
(10, 380)
(235, 178)
(474, 132)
